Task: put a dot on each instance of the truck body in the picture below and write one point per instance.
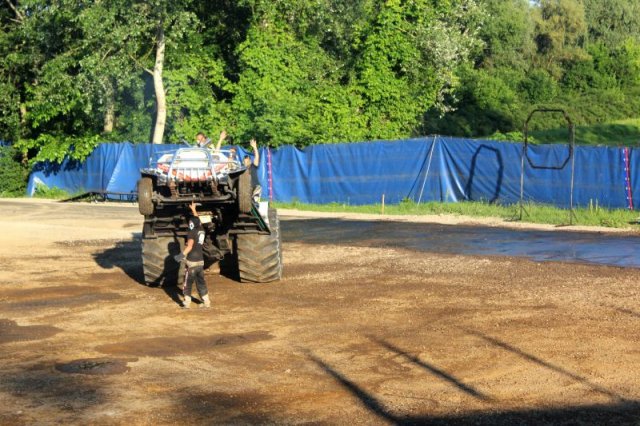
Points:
(241, 232)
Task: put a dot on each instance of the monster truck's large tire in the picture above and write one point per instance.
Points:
(145, 191)
(160, 269)
(274, 224)
(260, 256)
(245, 192)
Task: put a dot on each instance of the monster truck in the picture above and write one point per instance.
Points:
(240, 232)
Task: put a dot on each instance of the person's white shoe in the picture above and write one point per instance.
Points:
(206, 302)
(186, 303)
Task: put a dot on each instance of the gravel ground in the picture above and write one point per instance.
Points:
(361, 330)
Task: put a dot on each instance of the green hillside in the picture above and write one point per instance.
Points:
(617, 133)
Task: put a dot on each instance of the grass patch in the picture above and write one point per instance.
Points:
(617, 133)
(53, 193)
(533, 213)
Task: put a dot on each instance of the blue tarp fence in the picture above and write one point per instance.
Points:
(433, 168)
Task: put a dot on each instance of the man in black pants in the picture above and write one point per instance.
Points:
(193, 256)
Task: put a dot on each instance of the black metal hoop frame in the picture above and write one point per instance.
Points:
(570, 156)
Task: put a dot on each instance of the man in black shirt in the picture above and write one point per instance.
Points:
(253, 169)
(194, 258)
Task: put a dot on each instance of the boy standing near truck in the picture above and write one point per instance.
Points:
(194, 258)
(253, 165)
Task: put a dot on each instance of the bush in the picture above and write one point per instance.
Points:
(515, 136)
(538, 87)
(13, 175)
(54, 193)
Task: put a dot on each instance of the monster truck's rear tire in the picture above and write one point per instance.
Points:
(245, 192)
(160, 269)
(145, 192)
(260, 256)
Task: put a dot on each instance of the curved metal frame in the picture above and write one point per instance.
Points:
(570, 156)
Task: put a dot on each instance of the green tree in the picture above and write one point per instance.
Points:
(507, 35)
(288, 92)
(560, 36)
(145, 29)
(197, 93)
(490, 96)
(13, 174)
(408, 60)
(11, 68)
(86, 59)
(47, 79)
(613, 22)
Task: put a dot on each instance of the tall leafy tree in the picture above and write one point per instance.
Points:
(508, 34)
(561, 31)
(14, 65)
(56, 114)
(612, 22)
(301, 83)
(147, 29)
(408, 61)
(302, 72)
(290, 89)
(614, 40)
(198, 90)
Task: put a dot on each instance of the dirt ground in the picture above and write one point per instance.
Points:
(357, 332)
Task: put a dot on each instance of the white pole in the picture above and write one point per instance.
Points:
(424, 182)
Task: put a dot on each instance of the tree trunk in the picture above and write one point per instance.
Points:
(109, 114)
(161, 103)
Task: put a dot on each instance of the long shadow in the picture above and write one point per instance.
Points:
(472, 173)
(548, 365)
(369, 401)
(621, 413)
(623, 310)
(127, 256)
(434, 370)
(594, 414)
(628, 312)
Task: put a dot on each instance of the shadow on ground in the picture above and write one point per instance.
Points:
(433, 370)
(127, 256)
(47, 388)
(620, 411)
(246, 407)
(546, 364)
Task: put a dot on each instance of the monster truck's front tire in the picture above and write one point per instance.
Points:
(260, 256)
(245, 192)
(145, 192)
(160, 269)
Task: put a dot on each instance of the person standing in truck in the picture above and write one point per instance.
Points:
(202, 141)
(193, 256)
(253, 169)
